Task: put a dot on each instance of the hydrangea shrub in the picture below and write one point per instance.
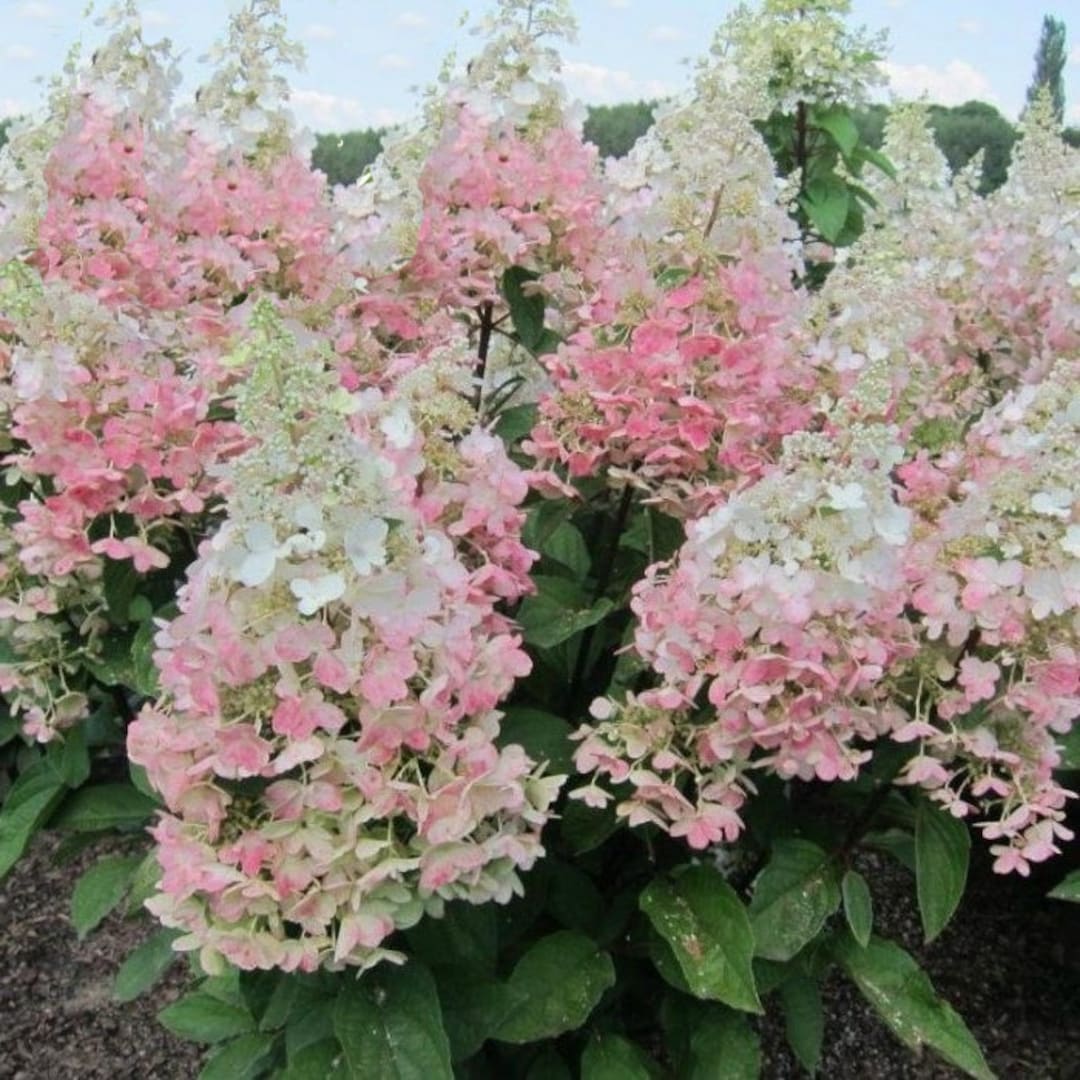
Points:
(513, 592)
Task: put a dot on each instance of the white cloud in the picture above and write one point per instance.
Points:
(155, 17)
(599, 85)
(953, 84)
(666, 33)
(319, 32)
(618, 5)
(12, 107)
(1073, 114)
(35, 9)
(329, 112)
(393, 62)
(1074, 56)
(412, 20)
(974, 27)
(895, 3)
(19, 53)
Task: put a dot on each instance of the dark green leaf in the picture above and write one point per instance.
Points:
(793, 896)
(119, 581)
(942, 850)
(897, 843)
(558, 611)
(465, 938)
(240, 1059)
(545, 737)
(585, 828)
(1069, 889)
(202, 1018)
(723, 1046)
(472, 1008)
(316, 1061)
(701, 918)
(515, 423)
(554, 987)
(526, 309)
(804, 1020)
(611, 1057)
(904, 998)
(100, 889)
(74, 759)
(390, 1026)
(836, 121)
(567, 547)
(145, 965)
(107, 806)
(826, 204)
(25, 809)
(144, 883)
(858, 906)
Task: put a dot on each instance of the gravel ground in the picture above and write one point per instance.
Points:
(1010, 965)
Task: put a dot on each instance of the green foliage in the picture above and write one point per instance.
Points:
(1069, 889)
(390, 1024)
(794, 895)
(100, 890)
(858, 906)
(345, 157)
(613, 129)
(145, 965)
(942, 848)
(1050, 57)
(704, 923)
(903, 997)
(963, 130)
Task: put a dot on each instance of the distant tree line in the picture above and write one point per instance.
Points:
(961, 131)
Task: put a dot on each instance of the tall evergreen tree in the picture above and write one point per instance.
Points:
(1050, 65)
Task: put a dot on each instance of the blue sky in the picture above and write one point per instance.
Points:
(365, 58)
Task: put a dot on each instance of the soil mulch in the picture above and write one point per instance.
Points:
(1009, 963)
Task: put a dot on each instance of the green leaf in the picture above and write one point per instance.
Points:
(858, 906)
(390, 1025)
(878, 160)
(1069, 889)
(144, 675)
(895, 842)
(316, 1061)
(700, 916)
(573, 900)
(74, 757)
(240, 1059)
(106, 806)
(472, 1009)
(723, 1046)
(584, 828)
(837, 123)
(611, 1057)
(515, 423)
(100, 889)
(145, 965)
(24, 811)
(465, 938)
(904, 998)
(793, 896)
(526, 310)
(554, 987)
(144, 883)
(119, 581)
(826, 203)
(942, 850)
(804, 1020)
(545, 737)
(567, 547)
(558, 611)
(202, 1018)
